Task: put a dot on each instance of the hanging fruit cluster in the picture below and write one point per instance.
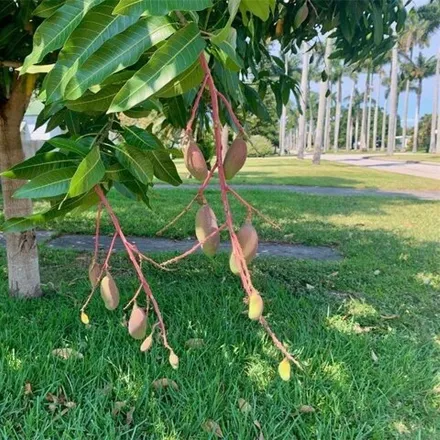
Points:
(244, 242)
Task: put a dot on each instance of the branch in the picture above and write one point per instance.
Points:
(13, 64)
(231, 112)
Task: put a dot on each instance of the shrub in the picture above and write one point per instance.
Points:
(259, 146)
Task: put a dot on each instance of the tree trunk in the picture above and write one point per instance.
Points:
(356, 132)
(328, 113)
(303, 100)
(405, 115)
(311, 129)
(364, 113)
(322, 104)
(434, 127)
(384, 125)
(338, 113)
(416, 117)
(370, 96)
(21, 248)
(283, 119)
(376, 115)
(393, 102)
(349, 138)
(438, 134)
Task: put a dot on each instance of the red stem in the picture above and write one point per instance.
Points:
(231, 112)
(196, 106)
(98, 223)
(136, 265)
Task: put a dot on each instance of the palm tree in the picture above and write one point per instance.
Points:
(418, 70)
(376, 111)
(435, 128)
(328, 114)
(304, 99)
(364, 145)
(393, 101)
(370, 99)
(349, 137)
(414, 34)
(322, 104)
(337, 74)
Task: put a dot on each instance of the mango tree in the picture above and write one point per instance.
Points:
(197, 64)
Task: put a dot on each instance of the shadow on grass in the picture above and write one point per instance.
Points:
(355, 393)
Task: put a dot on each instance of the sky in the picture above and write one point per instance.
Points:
(428, 84)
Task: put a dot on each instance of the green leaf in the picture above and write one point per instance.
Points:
(161, 7)
(220, 36)
(301, 15)
(50, 184)
(164, 167)
(260, 8)
(228, 54)
(136, 161)
(187, 80)
(121, 51)
(97, 27)
(69, 145)
(18, 224)
(140, 138)
(55, 30)
(94, 102)
(89, 173)
(39, 164)
(377, 24)
(47, 8)
(171, 59)
(324, 76)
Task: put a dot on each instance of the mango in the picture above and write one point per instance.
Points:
(174, 360)
(195, 162)
(109, 292)
(206, 224)
(256, 306)
(94, 272)
(248, 239)
(137, 324)
(148, 342)
(284, 369)
(235, 158)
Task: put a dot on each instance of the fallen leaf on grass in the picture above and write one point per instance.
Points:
(244, 406)
(359, 329)
(309, 286)
(213, 427)
(306, 409)
(67, 353)
(50, 397)
(195, 343)
(258, 425)
(164, 383)
(27, 389)
(390, 316)
(374, 356)
(118, 407)
(401, 428)
(129, 416)
(52, 407)
(376, 272)
(436, 389)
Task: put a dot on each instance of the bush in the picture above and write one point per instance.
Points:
(259, 146)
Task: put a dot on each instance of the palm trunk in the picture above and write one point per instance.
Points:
(370, 97)
(384, 126)
(364, 113)
(303, 101)
(322, 104)
(283, 119)
(434, 127)
(416, 118)
(438, 133)
(311, 130)
(356, 132)
(21, 248)
(338, 113)
(376, 116)
(349, 138)
(393, 102)
(405, 114)
(328, 113)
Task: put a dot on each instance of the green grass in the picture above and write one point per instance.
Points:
(291, 171)
(333, 328)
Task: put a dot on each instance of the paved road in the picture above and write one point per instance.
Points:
(156, 244)
(429, 170)
(322, 190)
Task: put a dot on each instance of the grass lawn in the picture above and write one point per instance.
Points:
(291, 171)
(368, 333)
